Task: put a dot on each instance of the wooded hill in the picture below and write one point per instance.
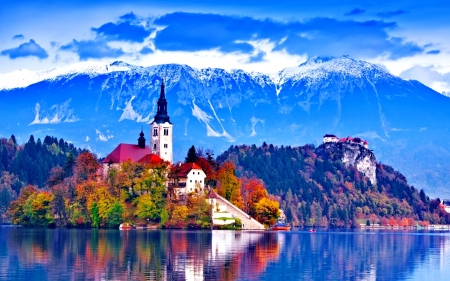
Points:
(31, 163)
(315, 188)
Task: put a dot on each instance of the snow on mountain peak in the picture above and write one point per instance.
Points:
(315, 69)
(318, 68)
(23, 77)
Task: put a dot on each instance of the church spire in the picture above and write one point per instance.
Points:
(141, 139)
(161, 115)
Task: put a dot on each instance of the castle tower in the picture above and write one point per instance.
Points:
(161, 130)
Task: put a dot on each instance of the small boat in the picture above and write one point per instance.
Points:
(126, 226)
(312, 230)
(281, 226)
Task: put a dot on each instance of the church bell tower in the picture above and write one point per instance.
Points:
(161, 130)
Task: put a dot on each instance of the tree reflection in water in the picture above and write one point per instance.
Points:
(61, 254)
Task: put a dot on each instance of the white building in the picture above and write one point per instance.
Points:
(330, 138)
(161, 142)
(187, 178)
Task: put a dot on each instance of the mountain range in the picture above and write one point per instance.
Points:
(98, 105)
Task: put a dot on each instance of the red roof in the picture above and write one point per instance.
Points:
(151, 159)
(184, 169)
(365, 142)
(124, 152)
(212, 194)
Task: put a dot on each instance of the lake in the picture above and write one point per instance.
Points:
(74, 254)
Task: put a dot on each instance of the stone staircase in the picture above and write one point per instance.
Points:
(248, 223)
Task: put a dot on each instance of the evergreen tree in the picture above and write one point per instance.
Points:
(191, 155)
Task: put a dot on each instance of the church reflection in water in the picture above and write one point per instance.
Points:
(62, 254)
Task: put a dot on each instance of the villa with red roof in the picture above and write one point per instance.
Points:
(186, 178)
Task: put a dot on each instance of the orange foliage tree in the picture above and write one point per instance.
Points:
(86, 167)
(253, 191)
(392, 221)
(229, 185)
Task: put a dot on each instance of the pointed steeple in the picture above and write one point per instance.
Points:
(161, 115)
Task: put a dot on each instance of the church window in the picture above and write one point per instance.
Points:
(155, 132)
(154, 146)
(165, 145)
(166, 131)
(191, 180)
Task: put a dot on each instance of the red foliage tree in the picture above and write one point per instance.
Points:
(253, 191)
(207, 168)
(86, 167)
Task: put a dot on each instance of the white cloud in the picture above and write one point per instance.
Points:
(429, 76)
(102, 136)
(87, 138)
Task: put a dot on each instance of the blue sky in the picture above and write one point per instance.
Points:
(409, 39)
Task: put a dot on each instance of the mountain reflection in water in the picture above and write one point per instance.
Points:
(61, 254)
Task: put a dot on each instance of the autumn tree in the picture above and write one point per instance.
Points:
(146, 208)
(267, 211)
(229, 185)
(20, 209)
(41, 214)
(199, 209)
(253, 191)
(86, 167)
(208, 169)
(179, 215)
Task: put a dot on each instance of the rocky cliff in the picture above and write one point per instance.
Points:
(353, 154)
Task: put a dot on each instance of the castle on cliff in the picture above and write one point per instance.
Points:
(332, 138)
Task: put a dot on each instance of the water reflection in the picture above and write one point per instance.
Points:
(60, 254)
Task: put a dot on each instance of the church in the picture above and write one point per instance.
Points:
(189, 177)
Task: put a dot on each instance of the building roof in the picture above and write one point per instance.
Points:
(151, 159)
(212, 194)
(183, 170)
(329, 136)
(124, 152)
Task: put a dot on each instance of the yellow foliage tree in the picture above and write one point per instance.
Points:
(179, 214)
(267, 211)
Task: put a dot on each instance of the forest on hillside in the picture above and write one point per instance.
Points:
(77, 192)
(311, 185)
(30, 164)
(317, 189)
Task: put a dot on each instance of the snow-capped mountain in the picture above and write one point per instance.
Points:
(98, 105)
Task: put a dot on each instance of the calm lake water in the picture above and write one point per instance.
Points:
(62, 254)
